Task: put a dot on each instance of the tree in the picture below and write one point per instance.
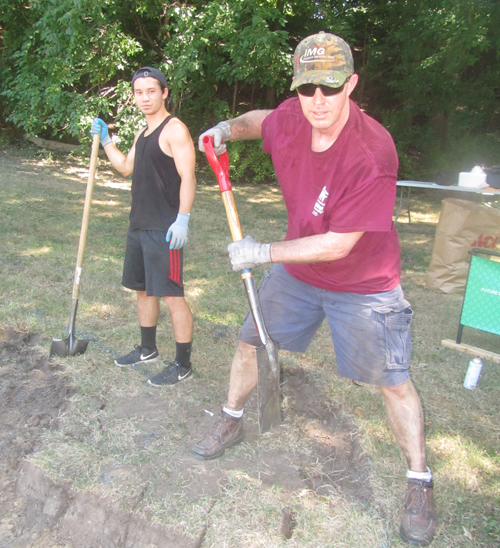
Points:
(428, 68)
(431, 64)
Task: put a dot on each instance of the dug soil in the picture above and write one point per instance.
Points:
(37, 512)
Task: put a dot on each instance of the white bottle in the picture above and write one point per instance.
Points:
(473, 372)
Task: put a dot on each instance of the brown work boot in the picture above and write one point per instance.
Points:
(225, 432)
(419, 519)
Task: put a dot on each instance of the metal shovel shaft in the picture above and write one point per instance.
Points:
(70, 346)
(254, 303)
(268, 392)
(268, 371)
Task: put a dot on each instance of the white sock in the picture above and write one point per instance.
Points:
(424, 476)
(232, 413)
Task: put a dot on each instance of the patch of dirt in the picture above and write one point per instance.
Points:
(36, 512)
(31, 396)
(338, 463)
(342, 464)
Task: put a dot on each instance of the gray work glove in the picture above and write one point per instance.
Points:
(220, 133)
(248, 253)
(178, 232)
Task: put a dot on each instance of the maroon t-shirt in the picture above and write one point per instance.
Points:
(351, 187)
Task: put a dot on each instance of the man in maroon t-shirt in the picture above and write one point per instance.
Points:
(340, 259)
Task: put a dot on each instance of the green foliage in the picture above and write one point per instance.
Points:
(428, 68)
(250, 163)
(436, 63)
(55, 78)
(220, 48)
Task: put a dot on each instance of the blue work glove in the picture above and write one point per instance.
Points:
(220, 134)
(177, 234)
(248, 253)
(99, 126)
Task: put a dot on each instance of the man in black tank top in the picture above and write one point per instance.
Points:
(162, 161)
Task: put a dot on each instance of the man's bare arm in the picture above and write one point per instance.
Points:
(248, 125)
(177, 142)
(331, 246)
(123, 163)
(315, 249)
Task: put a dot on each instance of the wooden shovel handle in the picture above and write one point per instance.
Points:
(86, 214)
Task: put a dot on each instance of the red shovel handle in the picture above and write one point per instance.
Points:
(221, 170)
(220, 164)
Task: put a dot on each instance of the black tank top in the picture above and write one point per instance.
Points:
(155, 184)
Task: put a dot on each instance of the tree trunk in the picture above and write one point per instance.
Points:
(270, 97)
(440, 126)
(235, 95)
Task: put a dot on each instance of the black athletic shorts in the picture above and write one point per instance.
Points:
(151, 266)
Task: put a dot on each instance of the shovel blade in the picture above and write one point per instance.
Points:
(268, 387)
(70, 346)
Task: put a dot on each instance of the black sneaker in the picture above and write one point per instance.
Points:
(139, 355)
(173, 373)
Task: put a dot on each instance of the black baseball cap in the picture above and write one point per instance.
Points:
(150, 72)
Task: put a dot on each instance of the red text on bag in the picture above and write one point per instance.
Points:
(488, 242)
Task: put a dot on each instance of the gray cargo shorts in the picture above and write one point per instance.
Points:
(370, 333)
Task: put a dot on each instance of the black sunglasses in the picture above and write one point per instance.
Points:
(308, 90)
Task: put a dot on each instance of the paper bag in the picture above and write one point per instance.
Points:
(462, 226)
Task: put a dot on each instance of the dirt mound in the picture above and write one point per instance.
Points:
(32, 394)
(36, 512)
(86, 520)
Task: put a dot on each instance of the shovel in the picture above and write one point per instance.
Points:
(71, 346)
(268, 382)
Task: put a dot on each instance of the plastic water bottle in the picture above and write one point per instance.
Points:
(473, 372)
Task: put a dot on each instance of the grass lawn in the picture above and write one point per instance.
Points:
(333, 464)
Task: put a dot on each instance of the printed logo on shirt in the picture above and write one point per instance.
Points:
(319, 206)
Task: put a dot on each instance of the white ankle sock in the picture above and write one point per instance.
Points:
(424, 476)
(232, 413)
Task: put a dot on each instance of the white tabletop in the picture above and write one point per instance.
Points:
(424, 184)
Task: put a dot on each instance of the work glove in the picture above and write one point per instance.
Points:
(220, 133)
(99, 126)
(248, 253)
(177, 234)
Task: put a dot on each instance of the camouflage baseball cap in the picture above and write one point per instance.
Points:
(322, 58)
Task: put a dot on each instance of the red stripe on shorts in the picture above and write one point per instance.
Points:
(175, 266)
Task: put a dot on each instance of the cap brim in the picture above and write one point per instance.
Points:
(319, 77)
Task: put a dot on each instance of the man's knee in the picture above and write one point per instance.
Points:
(397, 391)
(244, 360)
(174, 302)
(245, 351)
